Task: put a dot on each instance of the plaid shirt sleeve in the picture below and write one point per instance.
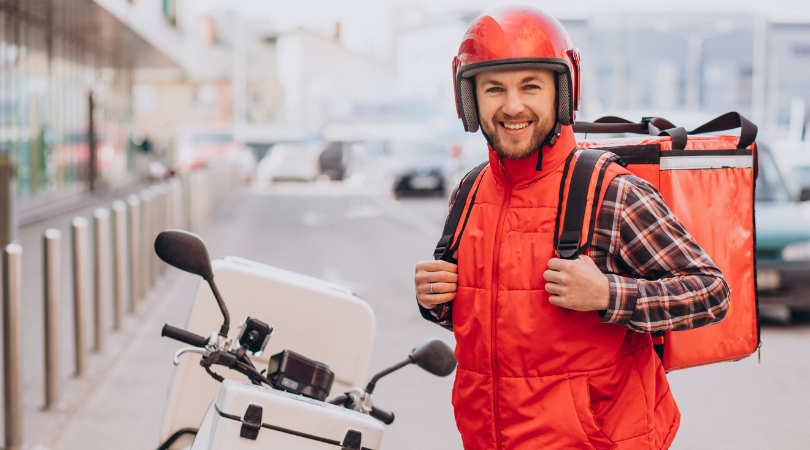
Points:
(660, 278)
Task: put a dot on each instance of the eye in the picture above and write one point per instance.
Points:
(531, 86)
(494, 89)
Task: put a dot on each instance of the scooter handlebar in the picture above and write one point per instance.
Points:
(382, 415)
(184, 336)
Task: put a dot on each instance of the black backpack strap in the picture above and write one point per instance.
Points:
(447, 245)
(567, 243)
(729, 121)
(654, 126)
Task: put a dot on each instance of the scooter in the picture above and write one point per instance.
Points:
(287, 405)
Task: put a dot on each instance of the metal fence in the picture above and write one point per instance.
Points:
(118, 251)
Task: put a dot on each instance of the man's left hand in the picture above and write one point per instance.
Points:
(577, 284)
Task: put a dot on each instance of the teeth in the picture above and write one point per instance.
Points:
(516, 126)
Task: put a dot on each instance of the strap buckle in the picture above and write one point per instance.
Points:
(442, 245)
(568, 250)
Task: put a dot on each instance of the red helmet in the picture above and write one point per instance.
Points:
(515, 38)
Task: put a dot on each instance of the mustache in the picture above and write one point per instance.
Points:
(503, 117)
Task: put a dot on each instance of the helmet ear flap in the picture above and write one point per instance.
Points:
(574, 56)
(466, 102)
(565, 103)
(456, 63)
(464, 89)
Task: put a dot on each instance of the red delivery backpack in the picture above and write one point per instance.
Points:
(707, 181)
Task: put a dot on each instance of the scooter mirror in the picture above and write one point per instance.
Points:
(184, 250)
(436, 357)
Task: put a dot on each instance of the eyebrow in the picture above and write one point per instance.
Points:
(523, 81)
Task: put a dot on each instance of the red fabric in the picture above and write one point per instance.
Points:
(716, 206)
(531, 374)
(722, 225)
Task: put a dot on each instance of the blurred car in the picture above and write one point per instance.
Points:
(801, 180)
(290, 162)
(782, 242)
(419, 168)
(334, 160)
(199, 146)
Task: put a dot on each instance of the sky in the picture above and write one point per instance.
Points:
(366, 24)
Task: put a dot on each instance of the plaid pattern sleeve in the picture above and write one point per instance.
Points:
(660, 278)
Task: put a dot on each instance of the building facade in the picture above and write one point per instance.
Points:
(65, 87)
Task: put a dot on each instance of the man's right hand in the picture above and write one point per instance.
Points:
(441, 276)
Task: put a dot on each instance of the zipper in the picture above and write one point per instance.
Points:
(495, 275)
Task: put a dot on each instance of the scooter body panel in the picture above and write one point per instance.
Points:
(320, 320)
(289, 421)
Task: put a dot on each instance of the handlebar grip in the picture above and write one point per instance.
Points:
(184, 336)
(382, 415)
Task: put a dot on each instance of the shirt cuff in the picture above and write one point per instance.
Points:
(623, 297)
(441, 312)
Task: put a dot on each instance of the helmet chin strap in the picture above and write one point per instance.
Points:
(550, 140)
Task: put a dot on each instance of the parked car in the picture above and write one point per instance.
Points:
(419, 168)
(334, 160)
(290, 162)
(801, 181)
(199, 146)
(783, 242)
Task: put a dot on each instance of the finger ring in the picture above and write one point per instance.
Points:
(431, 288)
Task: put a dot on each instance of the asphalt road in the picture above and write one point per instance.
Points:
(370, 244)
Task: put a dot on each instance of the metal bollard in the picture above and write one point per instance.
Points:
(177, 204)
(155, 224)
(188, 209)
(159, 208)
(12, 346)
(203, 198)
(166, 223)
(101, 217)
(168, 207)
(8, 220)
(192, 203)
(146, 234)
(135, 283)
(51, 248)
(120, 262)
(80, 255)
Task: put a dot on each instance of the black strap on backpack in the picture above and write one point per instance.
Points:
(729, 121)
(447, 245)
(656, 126)
(568, 243)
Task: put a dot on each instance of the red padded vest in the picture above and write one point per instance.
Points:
(532, 375)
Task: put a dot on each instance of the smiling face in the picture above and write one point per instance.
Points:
(516, 109)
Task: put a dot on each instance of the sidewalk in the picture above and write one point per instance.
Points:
(125, 380)
(42, 428)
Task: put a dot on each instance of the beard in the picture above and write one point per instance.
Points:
(509, 147)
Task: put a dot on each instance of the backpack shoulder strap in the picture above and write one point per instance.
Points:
(447, 245)
(568, 242)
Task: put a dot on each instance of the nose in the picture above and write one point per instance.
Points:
(514, 104)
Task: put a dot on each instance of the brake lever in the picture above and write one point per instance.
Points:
(201, 351)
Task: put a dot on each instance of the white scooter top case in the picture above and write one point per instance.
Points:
(317, 319)
(253, 417)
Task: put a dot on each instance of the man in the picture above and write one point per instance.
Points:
(553, 353)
